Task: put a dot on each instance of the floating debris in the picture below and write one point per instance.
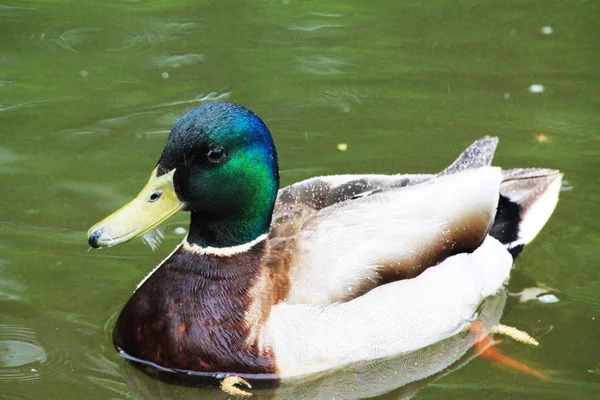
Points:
(530, 293)
(228, 385)
(342, 146)
(546, 30)
(566, 186)
(180, 230)
(536, 88)
(548, 299)
(514, 333)
(541, 138)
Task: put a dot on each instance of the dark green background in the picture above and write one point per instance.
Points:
(90, 89)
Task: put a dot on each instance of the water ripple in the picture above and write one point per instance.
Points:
(314, 27)
(201, 98)
(322, 65)
(74, 37)
(167, 119)
(21, 355)
(12, 396)
(5, 107)
(23, 358)
(343, 98)
(177, 61)
(66, 35)
(157, 31)
(316, 24)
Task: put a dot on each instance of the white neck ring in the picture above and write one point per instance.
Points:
(222, 251)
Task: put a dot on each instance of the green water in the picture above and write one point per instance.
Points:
(90, 89)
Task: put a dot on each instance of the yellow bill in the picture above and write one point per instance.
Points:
(154, 204)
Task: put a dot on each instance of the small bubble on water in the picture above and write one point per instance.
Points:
(546, 30)
(180, 230)
(536, 88)
(507, 96)
(548, 299)
(565, 186)
(165, 75)
(83, 73)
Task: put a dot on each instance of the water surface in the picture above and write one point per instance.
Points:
(90, 90)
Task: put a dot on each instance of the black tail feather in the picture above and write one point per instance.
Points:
(527, 198)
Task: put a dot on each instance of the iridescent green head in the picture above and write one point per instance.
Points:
(225, 171)
(221, 164)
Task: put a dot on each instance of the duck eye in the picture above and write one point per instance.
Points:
(216, 155)
(154, 196)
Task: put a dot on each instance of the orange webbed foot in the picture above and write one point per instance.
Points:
(485, 348)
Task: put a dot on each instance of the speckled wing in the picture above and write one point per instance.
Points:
(337, 237)
(302, 201)
(299, 202)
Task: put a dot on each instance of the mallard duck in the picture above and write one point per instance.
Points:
(323, 273)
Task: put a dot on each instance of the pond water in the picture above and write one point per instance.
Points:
(90, 90)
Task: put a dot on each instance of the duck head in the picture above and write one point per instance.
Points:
(220, 164)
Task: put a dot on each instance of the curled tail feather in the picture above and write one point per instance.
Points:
(527, 196)
(527, 199)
